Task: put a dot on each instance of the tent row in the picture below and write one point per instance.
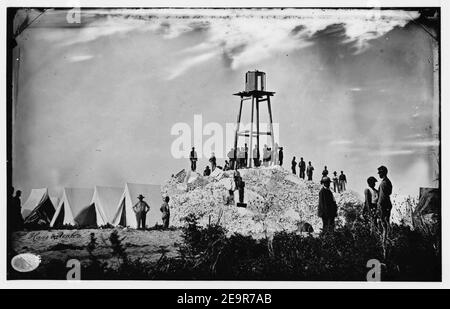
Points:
(97, 206)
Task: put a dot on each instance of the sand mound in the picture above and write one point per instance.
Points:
(277, 201)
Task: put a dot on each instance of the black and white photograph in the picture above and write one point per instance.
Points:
(218, 143)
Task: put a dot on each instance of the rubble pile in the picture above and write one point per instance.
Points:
(276, 201)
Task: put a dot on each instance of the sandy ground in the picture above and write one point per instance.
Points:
(63, 245)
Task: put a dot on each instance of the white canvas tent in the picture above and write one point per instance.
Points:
(125, 215)
(75, 208)
(106, 201)
(38, 207)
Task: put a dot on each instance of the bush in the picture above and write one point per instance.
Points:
(208, 254)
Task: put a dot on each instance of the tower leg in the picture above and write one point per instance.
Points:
(257, 129)
(250, 155)
(271, 127)
(238, 123)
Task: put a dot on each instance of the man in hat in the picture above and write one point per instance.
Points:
(256, 156)
(280, 156)
(336, 187)
(140, 209)
(231, 157)
(165, 210)
(193, 157)
(309, 171)
(342, 181)
(327, 209)
(384, 204)
(240, 184)
(302, 168)
(213, 161)
(370, 203)
(294, 166)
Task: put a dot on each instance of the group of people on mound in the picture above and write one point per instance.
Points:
(377, 204)
(239, 158)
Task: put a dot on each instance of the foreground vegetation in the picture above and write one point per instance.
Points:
(208, 254)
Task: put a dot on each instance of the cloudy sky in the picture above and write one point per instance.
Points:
(97, 100)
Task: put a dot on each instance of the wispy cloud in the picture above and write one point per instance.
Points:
(245, 36)
(188, 63)
(391, 152)
(78, 58)
(340, 142)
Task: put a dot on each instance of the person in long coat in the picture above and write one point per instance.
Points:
(327, 209)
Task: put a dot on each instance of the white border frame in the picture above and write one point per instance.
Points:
(445, 112)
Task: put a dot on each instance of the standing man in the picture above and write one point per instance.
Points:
(256, 156)
(370, 203)
(309, 171)
(336, 183)
(15, 214)
(240, 184)
(302, 167)
(193, 157)
(280, 156)
(294, 166)
(140, 209)
(342, 181)
(232, 159)
(213, 161)
(165, 210)
(384, 204)
(246, 155)
(327, 206)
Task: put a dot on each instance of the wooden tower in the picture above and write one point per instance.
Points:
(255, 92)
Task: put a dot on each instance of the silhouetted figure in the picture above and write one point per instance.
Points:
(327, 206)
(242, 158)
(15, 221)
(165, 210)
(294, 166)
(207, 171)
(193, 157)
(384, 205)
(309, 171)
(213, 161)
(256, 162)
(266, 155)
(302, 168)
(240, 184)
(336, 183)
(231, 156)
(245, 155)
(280, 156)
(370, 203)
(140, 209)
(342, 181)
(325, 172)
